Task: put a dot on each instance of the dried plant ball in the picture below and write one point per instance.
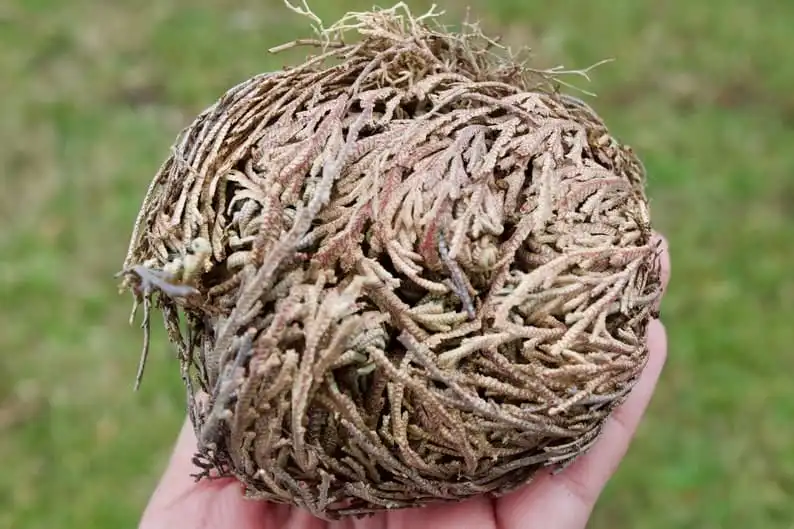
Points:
(405, 271)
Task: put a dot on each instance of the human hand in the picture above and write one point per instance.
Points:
(561, 501)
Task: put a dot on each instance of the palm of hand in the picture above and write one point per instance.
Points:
(562, 501)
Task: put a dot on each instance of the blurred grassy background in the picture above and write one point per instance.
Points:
(93, 93)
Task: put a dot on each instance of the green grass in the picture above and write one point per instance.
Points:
(93, 93)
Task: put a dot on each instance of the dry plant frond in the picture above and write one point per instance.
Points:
(410, 270)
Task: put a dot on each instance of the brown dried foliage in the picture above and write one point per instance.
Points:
(410, 271)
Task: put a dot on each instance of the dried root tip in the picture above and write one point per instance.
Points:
(146, 326)
(152, 280)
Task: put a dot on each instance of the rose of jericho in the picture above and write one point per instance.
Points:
(407, 270)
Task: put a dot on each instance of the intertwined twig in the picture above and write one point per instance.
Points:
(410, 270)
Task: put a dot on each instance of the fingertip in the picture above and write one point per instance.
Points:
(176, 480)
(657, 342)
(180, 465)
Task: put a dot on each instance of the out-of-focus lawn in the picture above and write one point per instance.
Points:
(93, 93)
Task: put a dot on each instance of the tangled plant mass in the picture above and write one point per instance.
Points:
(407, 270)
